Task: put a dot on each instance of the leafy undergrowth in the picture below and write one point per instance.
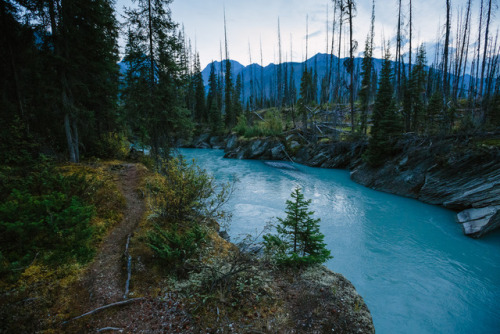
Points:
(220, 287)
(185, 277)
(52, 221)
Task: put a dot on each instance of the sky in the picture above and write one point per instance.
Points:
(252, 22)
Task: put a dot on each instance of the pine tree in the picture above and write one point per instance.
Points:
(236, 103)
(417, 89)
(386, 123)
(299, 240)
(199, 91)
(366, 72)
(213, 100)
(154, 97)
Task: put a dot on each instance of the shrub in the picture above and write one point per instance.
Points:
(53, 224)
(184, 190)
(299, 240)
(111, 145)
(174, 244)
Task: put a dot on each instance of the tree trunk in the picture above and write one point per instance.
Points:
(481, 94)
(446, 45)
(351, 57)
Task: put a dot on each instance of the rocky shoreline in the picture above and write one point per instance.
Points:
(456, 172)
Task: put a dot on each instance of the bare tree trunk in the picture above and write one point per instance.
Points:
(279, 79)
(350, 5)
(446, 51)
(151, 55)
(481, 93)
(411, 37)
(464, 41)
(478, 54)
(398, 55)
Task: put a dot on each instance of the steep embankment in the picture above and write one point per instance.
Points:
(459, 173)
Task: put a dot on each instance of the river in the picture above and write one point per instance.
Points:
(410, 261)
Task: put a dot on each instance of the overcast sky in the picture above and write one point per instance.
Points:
(252, 21)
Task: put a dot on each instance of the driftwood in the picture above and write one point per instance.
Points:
(123, 302)
(105, 329)
(129, 268)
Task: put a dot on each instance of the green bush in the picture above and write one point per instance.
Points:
(43, 216)
(184, 191)
(174, 245)
(299, 241)
(111, 145)
(272, 125)
(54, 224)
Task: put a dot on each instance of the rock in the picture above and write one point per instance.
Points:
(280, 165)
(278, 152)
(217, 142)
(294, 145)
(257, 148)
(444, 173)
(231, 142)
(477, 222)
(224, 235)
(318, 159)
(202, 141)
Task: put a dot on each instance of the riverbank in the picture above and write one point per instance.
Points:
(457, 172)
(130, 286)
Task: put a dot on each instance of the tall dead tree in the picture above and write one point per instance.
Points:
(483, 67)
(410, 29)
(446, 82)
(351, 8)
(279, 74)
(398, 53)
(478, 52)
(463, 34)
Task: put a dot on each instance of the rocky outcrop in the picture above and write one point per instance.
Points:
(458, 173)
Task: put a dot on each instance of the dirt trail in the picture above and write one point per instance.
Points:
(104, 282)
(106, 276)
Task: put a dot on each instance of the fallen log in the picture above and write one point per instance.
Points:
(123, 302)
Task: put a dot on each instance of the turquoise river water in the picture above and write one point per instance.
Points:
(410, 261)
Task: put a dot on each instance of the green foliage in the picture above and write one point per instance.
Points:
(386, 122)
(156, 85)
(184, 191)
(184, 199)
(112, 145)
(174, 244)
(42, 215)
(299, 241)
(272, 125)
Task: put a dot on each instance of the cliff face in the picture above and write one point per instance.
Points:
(454, 175)
(458, 173)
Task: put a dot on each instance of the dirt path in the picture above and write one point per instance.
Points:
(106, 277)
(105, 280)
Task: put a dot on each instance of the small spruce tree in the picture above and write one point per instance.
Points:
(299, 241)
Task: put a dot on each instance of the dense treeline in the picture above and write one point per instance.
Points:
(457, 93)
(62, 86)
(62, 93)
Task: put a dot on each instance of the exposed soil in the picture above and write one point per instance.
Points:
(106, 277)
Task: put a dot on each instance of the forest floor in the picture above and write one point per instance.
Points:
(104, 283)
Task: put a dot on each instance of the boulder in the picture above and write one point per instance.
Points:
(257, 148)
(231, 142)
(278, 152)
(216, 142)
(477, 222)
